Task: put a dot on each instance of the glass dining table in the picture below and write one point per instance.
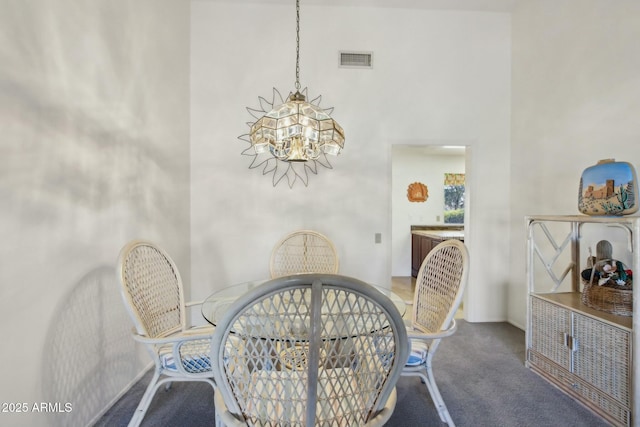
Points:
(216, 305)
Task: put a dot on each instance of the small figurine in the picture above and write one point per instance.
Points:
(605, 270)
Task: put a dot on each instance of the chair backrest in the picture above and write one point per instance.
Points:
(440, 284)
(309, 350)
(151, 289)
(303, 251)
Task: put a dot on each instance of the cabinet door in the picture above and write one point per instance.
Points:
(603, 357)
(550, 329)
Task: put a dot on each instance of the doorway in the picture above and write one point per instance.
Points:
(424, 166)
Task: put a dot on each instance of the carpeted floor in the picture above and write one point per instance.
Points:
(480, 371)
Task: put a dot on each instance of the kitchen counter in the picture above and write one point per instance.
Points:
(440, 234)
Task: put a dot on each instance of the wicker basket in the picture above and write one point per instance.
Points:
(611, 300)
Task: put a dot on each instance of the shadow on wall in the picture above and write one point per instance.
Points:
(89, 356)
(88, 129)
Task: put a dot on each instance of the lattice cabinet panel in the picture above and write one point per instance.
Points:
(550, 328)
(603, 357)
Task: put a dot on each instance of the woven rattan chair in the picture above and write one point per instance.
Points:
(308, 350)
(152, 292)
(303, 251)
(440, 284)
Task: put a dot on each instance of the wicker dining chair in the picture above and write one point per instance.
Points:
(303, 251)
(152, 292)
(308, 350)
(440, 284)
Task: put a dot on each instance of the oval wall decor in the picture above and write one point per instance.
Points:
(417, 192)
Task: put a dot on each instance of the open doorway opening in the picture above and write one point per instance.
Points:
(427, 193)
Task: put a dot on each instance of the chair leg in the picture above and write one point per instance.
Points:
(147, 397)
(218, 419)
(430, 381)
(151, 390)
(138, 415)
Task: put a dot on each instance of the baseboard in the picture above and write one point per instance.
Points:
(517, 325)
(120, 394)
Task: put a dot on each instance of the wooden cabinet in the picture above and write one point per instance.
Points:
(586, 353)
(420, 247)
(423, 241)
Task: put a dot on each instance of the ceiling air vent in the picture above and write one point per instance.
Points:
(356, 59)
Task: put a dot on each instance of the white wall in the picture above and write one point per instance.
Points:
(576, 92)
(94, 151)
(95, 107)
(438, 75)
(94, 111)
(411, 164)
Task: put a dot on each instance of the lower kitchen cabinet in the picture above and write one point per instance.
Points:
(420, 246)
(422, 241)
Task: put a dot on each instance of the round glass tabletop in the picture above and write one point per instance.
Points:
(217, 304)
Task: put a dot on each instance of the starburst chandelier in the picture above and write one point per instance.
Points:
(296, 130)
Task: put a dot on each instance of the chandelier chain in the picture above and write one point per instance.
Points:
(298, 45)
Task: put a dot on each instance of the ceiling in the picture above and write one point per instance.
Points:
(478, 5)
(434, 150)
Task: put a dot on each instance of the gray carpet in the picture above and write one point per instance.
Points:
(480, 372)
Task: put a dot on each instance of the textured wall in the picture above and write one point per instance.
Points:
(94, 151)
(576, 92)
(437, 76)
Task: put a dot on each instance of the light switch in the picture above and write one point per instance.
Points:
(378, 237)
